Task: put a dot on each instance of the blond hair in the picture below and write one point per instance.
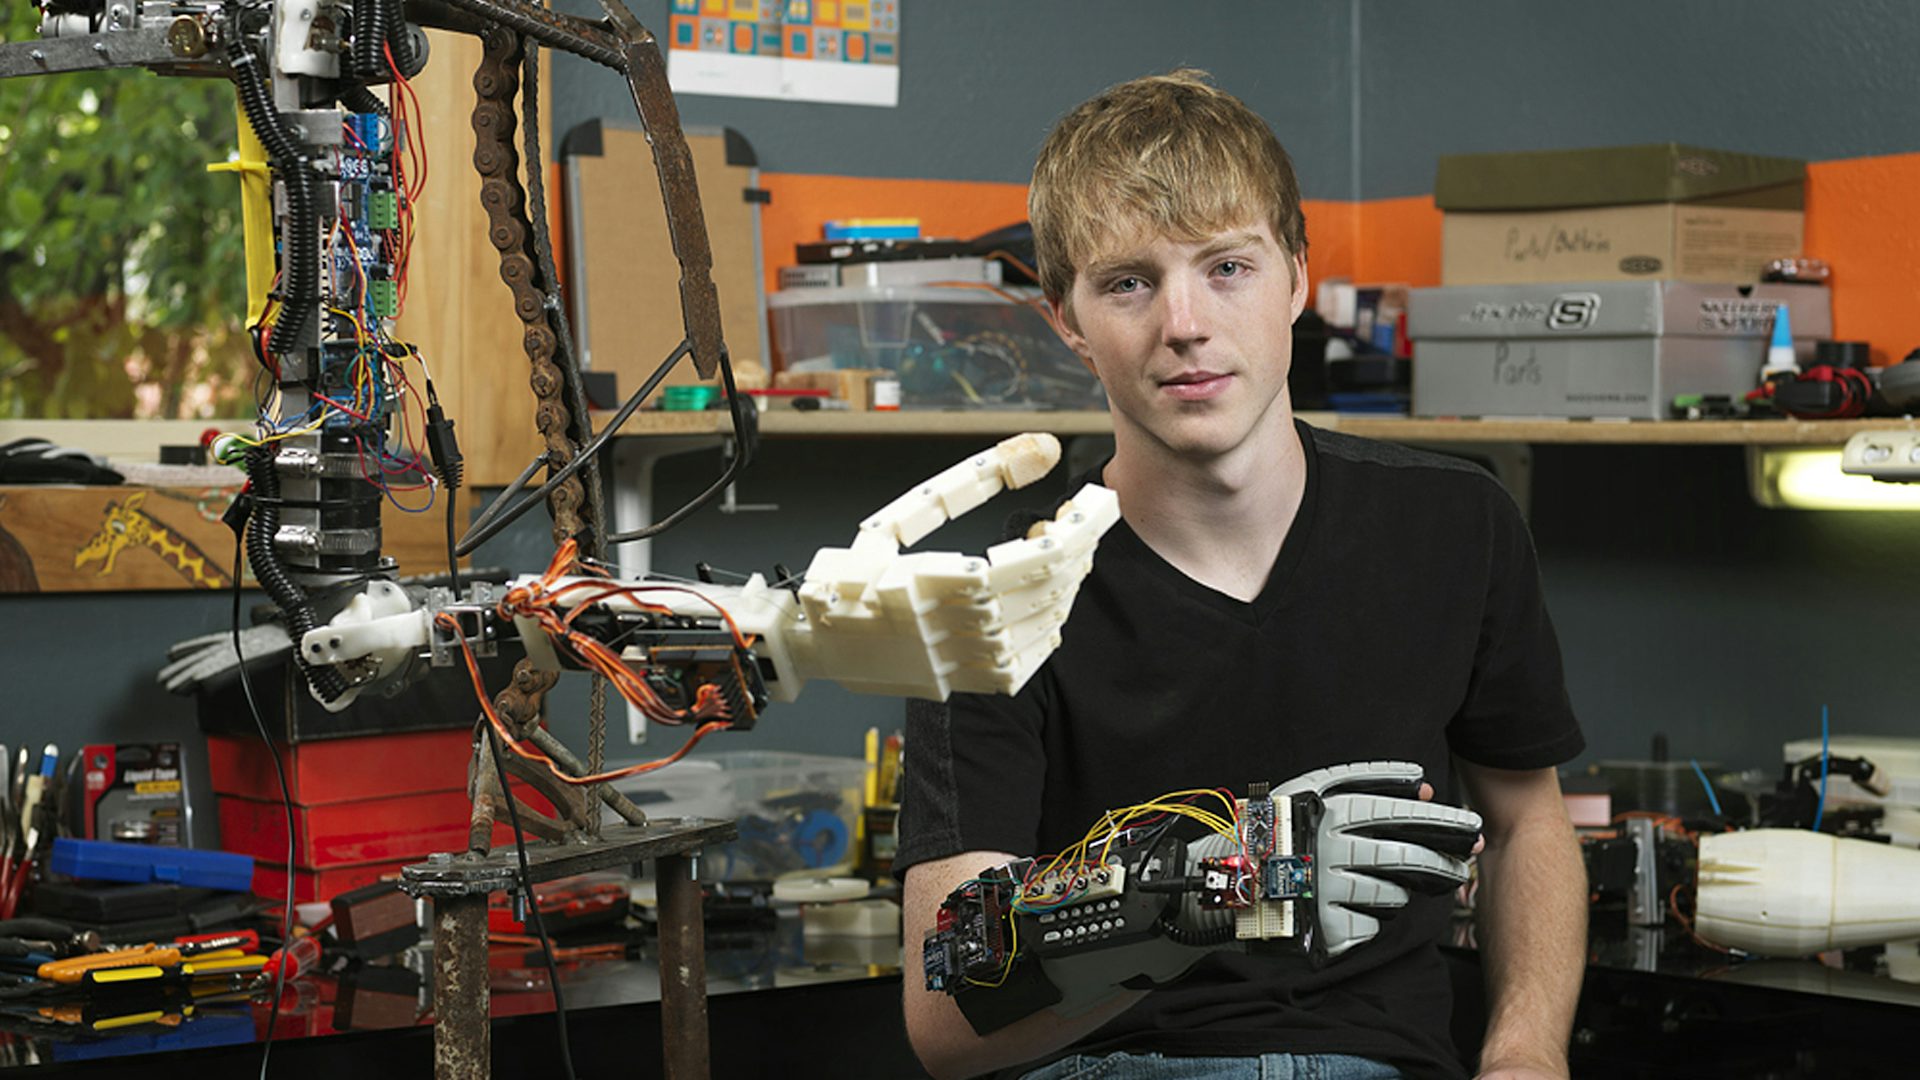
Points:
(1172, 153)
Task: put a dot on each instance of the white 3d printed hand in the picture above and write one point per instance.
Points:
(1376, 844)
(926, 624)
(1788, 892)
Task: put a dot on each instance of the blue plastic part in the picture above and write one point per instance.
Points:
(821, 839)
(104, 860)
(834, 230)
(205, 1028)
(1782, 328)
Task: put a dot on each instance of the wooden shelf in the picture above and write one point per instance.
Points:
(1636, 432)
(790, 423)
(931, 424)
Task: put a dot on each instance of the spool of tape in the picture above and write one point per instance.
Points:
(819, 890)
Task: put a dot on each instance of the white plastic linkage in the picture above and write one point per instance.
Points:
(374, 635)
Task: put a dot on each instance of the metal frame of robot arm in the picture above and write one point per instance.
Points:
(869, 617)
(1790, 892)
(923, 624)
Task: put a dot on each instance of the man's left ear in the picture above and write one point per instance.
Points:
(1299, 285)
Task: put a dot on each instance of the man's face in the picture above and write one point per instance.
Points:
(1192, 340)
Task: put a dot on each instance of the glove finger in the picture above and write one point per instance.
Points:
(1451, 829)
(1410, 866)
(1341, 928)
(194, 644)
(264, 638)
(1400, 778)
(1359, 887)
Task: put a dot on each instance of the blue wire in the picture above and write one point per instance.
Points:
(1712, 799)
(1821, 810)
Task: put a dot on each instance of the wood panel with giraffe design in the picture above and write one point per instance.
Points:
(87, 539)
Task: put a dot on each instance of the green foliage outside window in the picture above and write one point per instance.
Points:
(122, 273)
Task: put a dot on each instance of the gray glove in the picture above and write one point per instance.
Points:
(210, 657)
(1376, 844)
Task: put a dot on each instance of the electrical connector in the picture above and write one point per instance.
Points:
(443, 447)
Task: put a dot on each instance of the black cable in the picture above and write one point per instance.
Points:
(405, 60)
(369, 33)
(744, 422)
(286, 802)
(261, 526)
(300, 257)
(494, 519)
(533, 905)
(453, 560)
(362, 100)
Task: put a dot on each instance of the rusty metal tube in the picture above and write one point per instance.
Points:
(462, 1036)
(683, 971)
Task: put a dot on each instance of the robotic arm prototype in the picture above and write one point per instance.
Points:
(867, 616)
(328, 188)
(1307, 864)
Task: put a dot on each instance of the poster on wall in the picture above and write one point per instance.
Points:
(841, 51)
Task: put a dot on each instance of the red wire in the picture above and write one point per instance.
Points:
(507, 740)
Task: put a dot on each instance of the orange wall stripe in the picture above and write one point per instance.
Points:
(1861, 218)
(1399, 241)
(801, 204)
(1333, 230)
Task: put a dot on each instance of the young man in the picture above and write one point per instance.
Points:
(1276, 599)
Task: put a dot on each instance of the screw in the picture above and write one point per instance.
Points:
(100, 47)
(38, 56)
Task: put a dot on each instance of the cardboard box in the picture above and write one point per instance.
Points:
(1597, 349)
(1660, 212)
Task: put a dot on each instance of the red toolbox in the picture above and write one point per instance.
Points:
(270, 879)
(341, 770)
(348, 833)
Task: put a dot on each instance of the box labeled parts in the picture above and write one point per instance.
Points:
(1597, 349)
(1658, 212)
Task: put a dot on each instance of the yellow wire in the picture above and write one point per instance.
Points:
(1075, 857)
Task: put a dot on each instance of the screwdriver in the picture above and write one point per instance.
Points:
(297, 959)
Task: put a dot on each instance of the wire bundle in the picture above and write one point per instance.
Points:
(541, 600)
(1077, 859)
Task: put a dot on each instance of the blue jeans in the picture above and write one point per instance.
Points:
(1125, 1066)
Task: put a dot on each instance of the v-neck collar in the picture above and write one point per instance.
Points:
(1273, 594)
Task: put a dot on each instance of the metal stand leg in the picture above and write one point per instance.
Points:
(683, 970)
(462, 1047)
(462, 1035)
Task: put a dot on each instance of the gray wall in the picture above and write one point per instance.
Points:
(1681, 607)
(1818, 81)
(981, 80)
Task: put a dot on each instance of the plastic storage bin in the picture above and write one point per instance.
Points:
(795, 811)
(969, 345)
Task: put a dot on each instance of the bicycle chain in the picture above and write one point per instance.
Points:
(636, 55)
(496, 83)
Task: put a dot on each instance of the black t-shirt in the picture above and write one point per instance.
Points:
(1402, 620)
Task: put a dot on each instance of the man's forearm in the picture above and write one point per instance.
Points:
(1533, 925)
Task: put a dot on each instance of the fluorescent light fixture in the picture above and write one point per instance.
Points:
(1809, 478)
